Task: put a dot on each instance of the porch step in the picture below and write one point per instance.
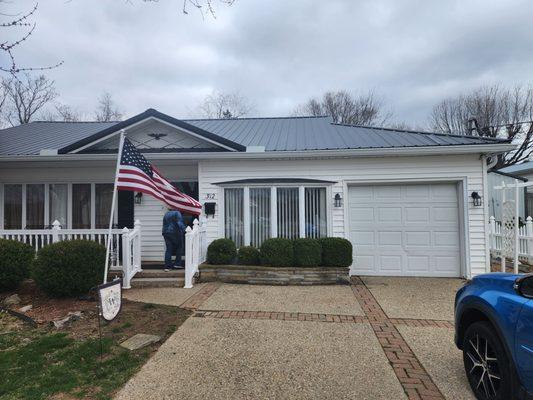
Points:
(139, 283)
(152, 273)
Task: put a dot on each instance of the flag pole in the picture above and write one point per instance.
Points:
(108, 242)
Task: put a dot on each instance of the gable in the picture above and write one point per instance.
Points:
(153, 134)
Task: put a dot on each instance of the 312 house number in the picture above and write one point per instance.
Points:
(210, 196)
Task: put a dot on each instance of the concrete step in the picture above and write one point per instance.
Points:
(139, 283)
(152, 273)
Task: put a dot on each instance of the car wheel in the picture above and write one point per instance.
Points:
(486, 363)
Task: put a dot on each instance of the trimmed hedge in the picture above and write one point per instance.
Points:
(336, 252)
(15, 261)
(69, 268)
(307, 252)
(221, 251)
(277, 252)
(249, 255)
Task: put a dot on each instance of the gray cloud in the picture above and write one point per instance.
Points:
(278, 53)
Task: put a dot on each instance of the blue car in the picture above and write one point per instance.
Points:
(494, 329)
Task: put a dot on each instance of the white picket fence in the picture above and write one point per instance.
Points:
(525, 239)
(129, 239)
(195, 250)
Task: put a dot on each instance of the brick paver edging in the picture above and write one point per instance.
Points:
(281, 316)
(414, 379)
(434, 323)
(197, 299)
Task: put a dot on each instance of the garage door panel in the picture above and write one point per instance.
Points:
(410, 230)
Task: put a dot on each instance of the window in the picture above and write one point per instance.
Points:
(297, 212)
(234, 218)
(102, 209)
(315, 212)
(288, 213)
(81, 206)
(259, 215)
(35, 206)
(58, 203)
(12, 206)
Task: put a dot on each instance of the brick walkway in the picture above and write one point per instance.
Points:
(197, 299)
(415, 380)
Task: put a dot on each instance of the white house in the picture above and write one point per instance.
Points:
(403, 198)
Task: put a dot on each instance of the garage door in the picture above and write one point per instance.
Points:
(405, 230)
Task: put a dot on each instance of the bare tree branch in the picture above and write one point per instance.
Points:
(225, 105)
(106, 110)
(491, 111)
(200, 5)
(26, 97)
(345, 108)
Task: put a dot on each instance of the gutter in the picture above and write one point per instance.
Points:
(495, 148)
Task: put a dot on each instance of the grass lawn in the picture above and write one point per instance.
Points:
(46, 363)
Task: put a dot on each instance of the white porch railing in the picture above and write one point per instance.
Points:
(525, 239)
(130, 240)
(195, 250)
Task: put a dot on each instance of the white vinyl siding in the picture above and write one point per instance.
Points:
(344, 171)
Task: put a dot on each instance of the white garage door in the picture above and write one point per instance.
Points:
(405, 230)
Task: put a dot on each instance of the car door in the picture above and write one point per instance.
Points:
(524, 346)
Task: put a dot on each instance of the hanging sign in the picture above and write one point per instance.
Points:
(110, 295)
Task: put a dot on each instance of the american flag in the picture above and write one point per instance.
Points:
(137, 174)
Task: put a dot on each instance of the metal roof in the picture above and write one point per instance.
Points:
(518, 169)
(275, 134)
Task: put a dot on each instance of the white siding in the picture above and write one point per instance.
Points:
(467, 168)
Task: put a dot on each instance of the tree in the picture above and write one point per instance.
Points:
(200, 5)
(62, 112)
(225, 106)
(107, 111)
(25, 97)
(7, 47)
(347, 109)
(494, 112)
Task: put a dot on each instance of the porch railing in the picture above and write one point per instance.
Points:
(125, 240)
(525, 239)
(195, 250)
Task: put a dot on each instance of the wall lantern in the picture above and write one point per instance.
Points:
(138, 198)
(337, 200)
(476, 198)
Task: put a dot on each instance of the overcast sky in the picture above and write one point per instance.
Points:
(278, 53)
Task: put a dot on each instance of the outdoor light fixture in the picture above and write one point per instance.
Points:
(337, 200)
(476, 198)
(138, 198)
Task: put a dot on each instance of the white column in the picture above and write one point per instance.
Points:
(301, 210)
(529, 233)
(246, 215)
(503, 232)
(273, 212)
(516, 228)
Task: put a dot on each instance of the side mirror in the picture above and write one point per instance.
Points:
(524, 286)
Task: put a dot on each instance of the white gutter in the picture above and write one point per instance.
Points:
(374, 152)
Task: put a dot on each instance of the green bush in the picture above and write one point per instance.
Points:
(277, 252)
(69, 268)
(249, 255)
(307, 252)
(336, 252)
(221, 251)
(15, 260)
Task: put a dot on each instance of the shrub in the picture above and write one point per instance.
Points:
(69, 268)
(15, 260)
(221, 251)
(336, 252)
(249, 255)
(307, 252)
(277, 252)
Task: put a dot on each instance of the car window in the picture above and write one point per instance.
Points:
(527, 287)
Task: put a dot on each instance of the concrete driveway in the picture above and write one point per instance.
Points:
(381, 338)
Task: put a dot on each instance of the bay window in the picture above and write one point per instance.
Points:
(254, 214)
(35, 206)
(102, 209)
(81, 206)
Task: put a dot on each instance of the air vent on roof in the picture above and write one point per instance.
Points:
(255, 149)
(48, 152)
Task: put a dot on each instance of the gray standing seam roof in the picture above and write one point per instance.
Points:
(275, 134)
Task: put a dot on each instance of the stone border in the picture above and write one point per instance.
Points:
(413, 377)
(197, 299)
(261, 275)
(281, 316)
